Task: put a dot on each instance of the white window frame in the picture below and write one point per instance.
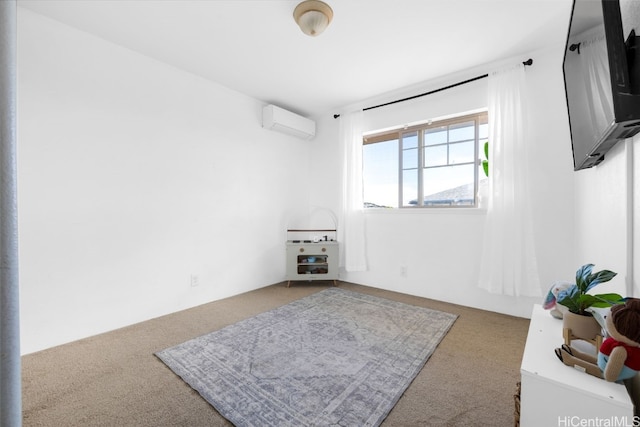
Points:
(397, 134)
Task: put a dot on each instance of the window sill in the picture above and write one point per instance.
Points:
(426, 211)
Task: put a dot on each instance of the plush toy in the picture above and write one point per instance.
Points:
(619, 355)
(551, 299)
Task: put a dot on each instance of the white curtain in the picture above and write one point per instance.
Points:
(352, 229)
(509, 264)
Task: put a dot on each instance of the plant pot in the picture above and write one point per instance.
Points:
(584, 327)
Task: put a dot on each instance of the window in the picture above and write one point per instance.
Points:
(430, 165)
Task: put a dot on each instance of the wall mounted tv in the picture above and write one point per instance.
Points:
(602, 77)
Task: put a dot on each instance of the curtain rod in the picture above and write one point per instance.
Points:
(527, 62)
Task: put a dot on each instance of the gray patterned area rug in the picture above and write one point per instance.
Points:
(334, 358)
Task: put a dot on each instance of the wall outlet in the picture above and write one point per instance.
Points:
(194, 280)
(403, 271)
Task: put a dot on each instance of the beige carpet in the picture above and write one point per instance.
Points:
(114, 379)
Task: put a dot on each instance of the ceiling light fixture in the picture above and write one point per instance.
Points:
(313, 16)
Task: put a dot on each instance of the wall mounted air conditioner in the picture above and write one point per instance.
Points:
(279, 119)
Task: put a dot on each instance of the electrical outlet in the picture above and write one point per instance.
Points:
(403, 271)
(194, 280)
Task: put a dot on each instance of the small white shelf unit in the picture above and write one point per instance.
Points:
(312, 254)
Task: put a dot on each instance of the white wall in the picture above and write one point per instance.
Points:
(441, 249)
(603, 232)
(133, 176)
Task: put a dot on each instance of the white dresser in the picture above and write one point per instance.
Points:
(554, 394)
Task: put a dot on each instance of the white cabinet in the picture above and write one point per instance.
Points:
(554, 394)
(312, 259)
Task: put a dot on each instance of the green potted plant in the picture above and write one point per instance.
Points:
(578, 302)
(485, 162)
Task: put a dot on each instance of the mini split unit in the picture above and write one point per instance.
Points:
(281, 120)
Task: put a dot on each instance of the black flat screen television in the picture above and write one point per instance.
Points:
(602, 78)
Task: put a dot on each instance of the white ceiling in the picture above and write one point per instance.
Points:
(371, 47)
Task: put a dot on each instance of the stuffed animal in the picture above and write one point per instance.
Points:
(550, 302)
(619, 355)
